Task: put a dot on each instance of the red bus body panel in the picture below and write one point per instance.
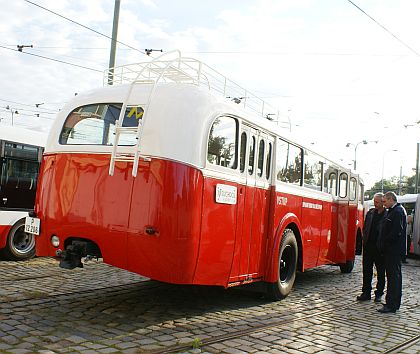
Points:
(195, 240)
(4, 232)
(79, 199)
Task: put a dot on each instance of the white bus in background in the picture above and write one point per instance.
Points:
(20, 157)
(411, 203)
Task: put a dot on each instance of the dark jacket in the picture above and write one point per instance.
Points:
(392, 239)
(368, 224)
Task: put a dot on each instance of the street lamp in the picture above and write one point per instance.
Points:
(355, 150)
(13, 111)
(383, 163)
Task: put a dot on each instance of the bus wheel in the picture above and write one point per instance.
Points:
(288, 255)
(347, 267)
(20, 245)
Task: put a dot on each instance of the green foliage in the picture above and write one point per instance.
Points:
(405, 186)
(196, 343)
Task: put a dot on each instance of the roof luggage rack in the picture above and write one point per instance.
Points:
(178, 70)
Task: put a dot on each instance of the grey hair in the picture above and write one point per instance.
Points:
(391, 195)
(379, 194)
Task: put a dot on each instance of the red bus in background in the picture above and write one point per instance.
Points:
(20, 157)
(164, 176)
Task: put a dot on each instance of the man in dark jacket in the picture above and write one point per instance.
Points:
(371, 254)
(392, 244)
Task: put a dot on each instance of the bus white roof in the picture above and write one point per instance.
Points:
(187, 109)
(22, 135)
(407, 198)
(185, 97)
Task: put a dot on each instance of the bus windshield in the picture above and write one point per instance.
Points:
(94, 124)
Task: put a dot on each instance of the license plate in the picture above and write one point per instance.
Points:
(32, 225)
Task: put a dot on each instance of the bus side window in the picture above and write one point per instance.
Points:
(242, 155)
(330, 179)
(261, 153)
(221, 149)
(289, 163)
(343, 185)
(353, 188)
(361, 190)
(251, 155)
(268, 162)
(313, 171)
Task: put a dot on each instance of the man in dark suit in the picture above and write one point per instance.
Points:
(371, 254)
(392, 243)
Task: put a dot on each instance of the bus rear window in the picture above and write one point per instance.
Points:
(95, 125)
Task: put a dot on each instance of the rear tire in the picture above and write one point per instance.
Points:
(347, 267)
(19, 245)
(287, 264)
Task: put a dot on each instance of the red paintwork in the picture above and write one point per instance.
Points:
(4, 232)
(197, 241)
(77, 198)
(352, 230)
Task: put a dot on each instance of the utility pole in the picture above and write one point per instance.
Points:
(13, 111)
(400, 182)
(416, 186)
(113, 42)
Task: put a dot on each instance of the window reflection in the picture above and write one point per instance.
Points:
(95, 125)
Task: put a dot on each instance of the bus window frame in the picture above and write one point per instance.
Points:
(300, 184)
(269, 160)
(210, 166)
(339, 184)
(311, 157)
(351, 198)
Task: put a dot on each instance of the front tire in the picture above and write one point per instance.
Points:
(20, 245)
(287, 265)
(347, 267)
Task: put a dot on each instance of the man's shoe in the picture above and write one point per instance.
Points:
(386, 309)
(378, 298)
(363, 297)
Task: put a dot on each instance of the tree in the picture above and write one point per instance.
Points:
(405, 186)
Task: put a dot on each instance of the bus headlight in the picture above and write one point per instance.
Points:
(55, 241)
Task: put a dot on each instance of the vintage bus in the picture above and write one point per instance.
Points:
(20, 157)
(171, 173)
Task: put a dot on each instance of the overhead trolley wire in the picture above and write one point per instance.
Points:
(384, 28)
(39, 109)
(52, 59)
(84, 26)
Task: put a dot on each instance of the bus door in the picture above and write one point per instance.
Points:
(342, 217)
(330, 217)
(261, 205)
(252, 216)
(312, 207)
(354, 221)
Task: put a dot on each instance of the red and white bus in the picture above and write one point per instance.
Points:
(20, 158)
(172, 175)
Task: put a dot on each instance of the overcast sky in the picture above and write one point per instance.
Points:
(337, 73)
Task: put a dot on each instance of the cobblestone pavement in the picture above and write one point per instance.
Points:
(101, 309)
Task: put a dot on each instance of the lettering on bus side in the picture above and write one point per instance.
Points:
(281, 200)
(226, 194)
(311, 205)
